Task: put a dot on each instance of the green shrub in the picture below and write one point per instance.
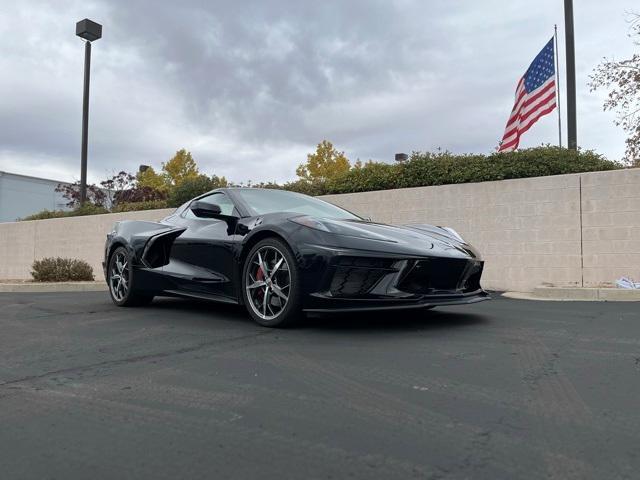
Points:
(302, 186)
(425, 169)
(44, 214)
(135, 206)
(422, 169)
(88, 209)
(192, 187)
(61, 270)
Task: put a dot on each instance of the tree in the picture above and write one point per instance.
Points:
(139, 194)
(117, 184)
(178, 180)
(179, 168)
(325, 164)
(622, 77)
(150, 179)
(192, 187)
(71, 191)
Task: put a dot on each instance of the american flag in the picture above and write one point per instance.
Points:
(535, 97)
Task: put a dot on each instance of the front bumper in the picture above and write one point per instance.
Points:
(327, 304)
(343, 280)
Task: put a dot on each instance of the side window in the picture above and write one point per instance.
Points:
(223, 201)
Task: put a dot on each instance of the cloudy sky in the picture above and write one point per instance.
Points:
(250, 87)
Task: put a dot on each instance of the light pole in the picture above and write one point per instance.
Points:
(90, 31)
(572, 135)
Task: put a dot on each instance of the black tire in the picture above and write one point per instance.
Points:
(291, 311)
(125, 295)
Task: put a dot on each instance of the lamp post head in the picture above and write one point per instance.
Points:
(88, 30)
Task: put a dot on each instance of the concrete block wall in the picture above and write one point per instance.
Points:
(611, 226)
(565, 230)
(75, 237)
(528, 230)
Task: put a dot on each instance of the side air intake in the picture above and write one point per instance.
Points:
(158, 248)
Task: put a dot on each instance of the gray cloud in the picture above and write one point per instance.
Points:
(250, 87)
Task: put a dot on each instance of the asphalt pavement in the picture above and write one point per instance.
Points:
(506, 389)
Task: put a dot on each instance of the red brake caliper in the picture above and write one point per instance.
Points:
(260, 276)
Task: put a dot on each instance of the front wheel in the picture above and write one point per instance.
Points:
(120, 279)
(270, 284)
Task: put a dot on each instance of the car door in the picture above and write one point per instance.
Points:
(202, 258)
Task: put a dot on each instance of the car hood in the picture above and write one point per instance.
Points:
(419, 238)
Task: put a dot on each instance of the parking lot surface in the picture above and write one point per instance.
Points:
(181, 389)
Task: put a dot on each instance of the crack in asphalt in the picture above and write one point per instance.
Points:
(135, 359)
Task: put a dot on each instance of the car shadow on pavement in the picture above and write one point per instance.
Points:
(394, 320)
(208, 311)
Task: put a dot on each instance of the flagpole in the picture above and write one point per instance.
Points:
(555, 42)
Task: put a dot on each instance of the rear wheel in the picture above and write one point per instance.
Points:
(120, 278)
(270, 284)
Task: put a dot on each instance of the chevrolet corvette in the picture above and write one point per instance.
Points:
(281, 253)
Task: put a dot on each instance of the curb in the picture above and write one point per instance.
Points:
(46, 287)
(578, 294)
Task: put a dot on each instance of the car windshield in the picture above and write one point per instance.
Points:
(270, 201)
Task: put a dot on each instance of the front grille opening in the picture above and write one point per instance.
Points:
(356, 276)
(441, 275)
(364, 262)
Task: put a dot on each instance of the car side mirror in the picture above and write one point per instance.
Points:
(205, 210)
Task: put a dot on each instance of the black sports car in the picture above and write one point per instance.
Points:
(280, 253)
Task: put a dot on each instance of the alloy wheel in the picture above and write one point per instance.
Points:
(268, 282)
(119, 276)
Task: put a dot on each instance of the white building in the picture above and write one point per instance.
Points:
(22, 195)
